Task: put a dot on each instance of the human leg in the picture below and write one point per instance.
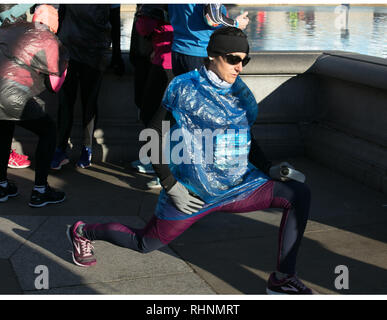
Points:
(6, 133)
(7, 188)
(157, 82)
(294, 198)
(157, 233)
(90, 83)
(67, 97)
(116, 61)
(45, 128)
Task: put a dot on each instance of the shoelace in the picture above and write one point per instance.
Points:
(16, 156)
(86, 247)
(297, 283)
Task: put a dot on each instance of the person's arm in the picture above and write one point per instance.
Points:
(53, 83)
(258, 158)
(13, 13)
(215, 17)
(162, 171)
(183, 200)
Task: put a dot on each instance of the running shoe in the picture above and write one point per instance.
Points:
(82, 249)
(85, 158)
(59, 159)
(18, 161)
(142, 168)
(9, 191)
(50, 196)
(289, 285)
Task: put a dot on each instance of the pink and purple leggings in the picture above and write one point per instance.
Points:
(293, 197)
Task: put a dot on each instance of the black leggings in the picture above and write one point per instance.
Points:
(89, 80)
(45, 129)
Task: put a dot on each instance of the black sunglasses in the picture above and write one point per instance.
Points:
(233, 60)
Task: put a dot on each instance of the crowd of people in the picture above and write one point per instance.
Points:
(190, 57)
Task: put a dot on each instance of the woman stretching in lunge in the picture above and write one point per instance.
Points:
(237, 178)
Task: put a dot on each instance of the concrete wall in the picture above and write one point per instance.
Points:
(350, 134)
(329, 106)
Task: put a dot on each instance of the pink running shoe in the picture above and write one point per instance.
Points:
(82, 249)
(18, 161)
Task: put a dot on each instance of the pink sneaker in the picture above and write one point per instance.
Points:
(18, 161)
(82, 249)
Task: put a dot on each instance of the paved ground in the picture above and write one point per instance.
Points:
(221, 254)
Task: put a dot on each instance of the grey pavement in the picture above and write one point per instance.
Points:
(221, 254)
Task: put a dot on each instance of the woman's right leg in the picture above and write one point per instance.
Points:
(6, 133)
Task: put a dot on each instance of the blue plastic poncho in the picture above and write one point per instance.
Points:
(210, 142)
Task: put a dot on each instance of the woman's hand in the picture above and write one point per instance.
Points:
(183, 201)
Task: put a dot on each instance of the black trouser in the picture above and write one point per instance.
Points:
(115, 21)
(45, 129)
(89, 80)
(182, 63)
(157, 82)
(141, 73)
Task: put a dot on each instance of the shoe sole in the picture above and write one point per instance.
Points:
(18, 167)
(72, 250)
(63, 162)
(82, 166)
(46, 203)
(4, 199)
(145, 171)
(142, 170)
(271, 292)
(156, 186)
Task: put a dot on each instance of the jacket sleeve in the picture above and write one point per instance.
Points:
(53, 83)
(215, 16)
(258, 158)
(162, 170)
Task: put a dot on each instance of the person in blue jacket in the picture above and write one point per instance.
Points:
(193, 25)
(221, 167)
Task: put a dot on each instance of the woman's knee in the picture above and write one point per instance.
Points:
(148, 245)
(292, 192)
(303, 192)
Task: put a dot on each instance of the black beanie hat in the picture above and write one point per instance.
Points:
(227, 40)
